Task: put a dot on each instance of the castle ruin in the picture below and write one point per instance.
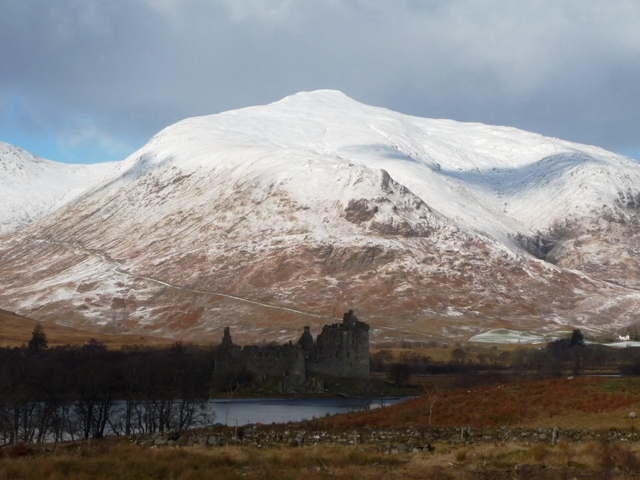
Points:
(340, 350)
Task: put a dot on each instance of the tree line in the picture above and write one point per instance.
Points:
(571, 355)
(70, 393)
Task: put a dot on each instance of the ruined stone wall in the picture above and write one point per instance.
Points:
(285, 361)
(341, 350)
(384, 440)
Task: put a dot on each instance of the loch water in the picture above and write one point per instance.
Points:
(282, 410)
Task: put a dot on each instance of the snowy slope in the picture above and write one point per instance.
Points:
(30, 187)
(277, 216)
(497, 180)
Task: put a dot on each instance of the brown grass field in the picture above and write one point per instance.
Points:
(440, 354)
(111, 459)
(15, 330)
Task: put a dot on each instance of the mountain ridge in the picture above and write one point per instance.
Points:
(318, 204)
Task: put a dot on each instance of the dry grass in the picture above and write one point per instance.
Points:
(582, 460)
(580, 403)
(15, 330)
(441, 354)
(109, 460)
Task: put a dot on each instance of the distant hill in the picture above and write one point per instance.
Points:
(32, 187)
(15, 330)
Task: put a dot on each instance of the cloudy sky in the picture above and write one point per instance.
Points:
(93, 80)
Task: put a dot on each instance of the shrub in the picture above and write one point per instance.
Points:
(399, 373)
(539, 452)
(19, 450)
(461, 455)
(616, 455)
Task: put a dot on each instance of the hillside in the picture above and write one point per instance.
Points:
(32, 187)
(574, 403)
(15, 330)
(273, 217)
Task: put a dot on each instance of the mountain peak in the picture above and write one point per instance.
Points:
(324, 97)
(318, 95)
(500, 181)
(283, 213)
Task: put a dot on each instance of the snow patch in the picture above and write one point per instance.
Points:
(506, 336)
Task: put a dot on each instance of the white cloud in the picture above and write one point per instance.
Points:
(92, 141)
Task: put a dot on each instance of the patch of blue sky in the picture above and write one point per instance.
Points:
(75, 140)
(632, 153)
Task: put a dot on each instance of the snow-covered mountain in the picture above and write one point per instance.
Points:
(31, 187)
(272, 217)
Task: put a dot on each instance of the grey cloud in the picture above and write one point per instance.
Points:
(129, 68)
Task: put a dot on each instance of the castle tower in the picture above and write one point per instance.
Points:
(306, 342)
(226, 338)
(349, 320)
(342, 349)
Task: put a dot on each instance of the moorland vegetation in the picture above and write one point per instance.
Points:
(75, 395)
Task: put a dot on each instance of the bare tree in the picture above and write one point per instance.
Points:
(432, 397)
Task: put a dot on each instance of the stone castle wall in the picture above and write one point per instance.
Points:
(287, 360)
(340, 350)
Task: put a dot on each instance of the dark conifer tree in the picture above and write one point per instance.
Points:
(577, 338)
(38, 340)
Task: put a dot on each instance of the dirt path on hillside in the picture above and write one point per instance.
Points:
(115, 264)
